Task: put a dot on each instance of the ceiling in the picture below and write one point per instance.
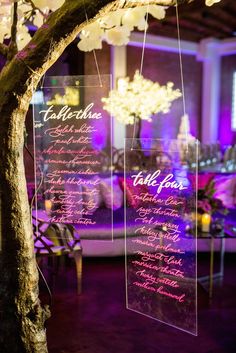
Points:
(197, 21)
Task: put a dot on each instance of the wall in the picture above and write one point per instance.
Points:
(228, 66)
(163, 66)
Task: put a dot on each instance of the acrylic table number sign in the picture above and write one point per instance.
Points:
(161, 280)
(73, 153)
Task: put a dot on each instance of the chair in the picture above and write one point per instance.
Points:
(134, 160)
(55, 239)
(228, 159)
(202, 156)
(216, 153)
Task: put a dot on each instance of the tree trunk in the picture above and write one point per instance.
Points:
(22, 318)
(138, 125)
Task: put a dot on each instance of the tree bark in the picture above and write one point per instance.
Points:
(21, 316)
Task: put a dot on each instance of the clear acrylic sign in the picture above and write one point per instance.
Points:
(160, 190)
(73, 152)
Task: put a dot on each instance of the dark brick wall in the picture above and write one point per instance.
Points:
(163, 67)
(228, 67)
(103, 59)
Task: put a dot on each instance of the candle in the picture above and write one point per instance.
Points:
(48, 205)
(206, 222)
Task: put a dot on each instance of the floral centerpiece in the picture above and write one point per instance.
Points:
(207, 203)
(140, 99)
(210, 209)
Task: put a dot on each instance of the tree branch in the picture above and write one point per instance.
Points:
(36, 8)
(13, 45)
(49, 41)
(14, 23)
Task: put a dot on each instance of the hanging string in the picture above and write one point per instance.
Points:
(141, 67)
(180, 62)
(33, 200)
(144, 39)
(94, 53)
(41, 79)
(181, 69)
(44, 75)
(46, 285)
(28, 67)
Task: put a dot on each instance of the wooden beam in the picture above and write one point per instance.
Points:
(208, 28)
(230, 12)
(170, 30)
(186, 23)
(225, 17)
(195, 6)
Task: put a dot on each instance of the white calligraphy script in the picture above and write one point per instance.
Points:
(151, 180)
(66, 113)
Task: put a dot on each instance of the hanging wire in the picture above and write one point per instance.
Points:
(41, 179)
(141, 66)
(34, 198)
(180, 62)
(94, 53)
(181, 68)
(28, 67)
(34, 72)
(46, 284)
(144, 39)
(31, 210)
(43, 77)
